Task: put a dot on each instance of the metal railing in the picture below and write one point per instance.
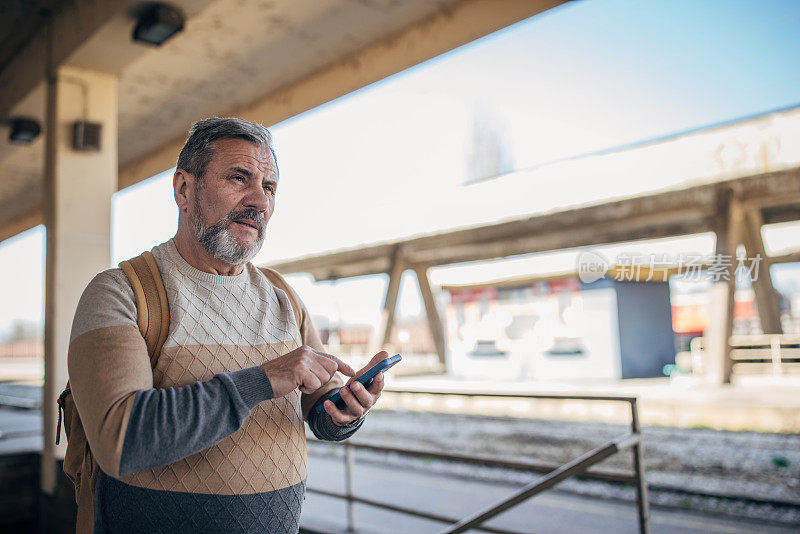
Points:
(578, 467)
(774, 350)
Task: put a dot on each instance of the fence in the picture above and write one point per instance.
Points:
(554, 474)
(775, 352)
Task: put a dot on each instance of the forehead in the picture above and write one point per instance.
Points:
(242, 153)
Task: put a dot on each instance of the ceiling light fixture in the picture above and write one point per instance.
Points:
(158, 23)
(23, 130)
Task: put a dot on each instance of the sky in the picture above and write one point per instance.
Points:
(387, 161)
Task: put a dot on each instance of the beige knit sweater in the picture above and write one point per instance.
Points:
(204, 420)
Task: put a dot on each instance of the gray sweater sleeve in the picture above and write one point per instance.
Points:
(322, 425)
(167, 425)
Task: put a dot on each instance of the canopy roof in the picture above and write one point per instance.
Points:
(263, 60)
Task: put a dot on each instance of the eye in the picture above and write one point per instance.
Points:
(239, 178)
(269, 187)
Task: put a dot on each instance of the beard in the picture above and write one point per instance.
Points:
(218, 241)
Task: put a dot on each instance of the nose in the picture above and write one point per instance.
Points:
(257, 198)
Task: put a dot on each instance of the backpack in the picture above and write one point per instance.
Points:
(153, 318)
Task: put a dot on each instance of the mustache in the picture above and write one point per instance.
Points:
(251, 214)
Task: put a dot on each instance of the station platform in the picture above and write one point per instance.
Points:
(759, 403)
(752, 403)
(552, 511)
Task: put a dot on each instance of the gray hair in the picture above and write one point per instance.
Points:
(199, 147)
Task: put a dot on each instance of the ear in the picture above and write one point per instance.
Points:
(183, 184)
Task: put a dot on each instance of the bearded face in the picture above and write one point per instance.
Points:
(230, 204)
(217, 240)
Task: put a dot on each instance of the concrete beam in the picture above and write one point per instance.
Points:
(448, 29)
(432, 313)
(383, 334)
(779, 214)
(729, 227)
(19, 224)
(766, 297)
(670, 213)
(549, 232)
(71, 24)
(577, 233)
(791, 257)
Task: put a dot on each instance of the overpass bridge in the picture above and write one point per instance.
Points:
(730, 180)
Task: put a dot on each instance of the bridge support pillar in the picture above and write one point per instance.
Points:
(728, 227)
(766, 297)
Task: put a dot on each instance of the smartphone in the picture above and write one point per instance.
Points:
(366, 378)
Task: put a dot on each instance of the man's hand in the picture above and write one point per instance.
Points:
(360, 399)
(303, 368)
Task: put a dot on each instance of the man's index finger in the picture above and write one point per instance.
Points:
(342, 367)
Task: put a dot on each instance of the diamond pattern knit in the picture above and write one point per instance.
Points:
(198, 443)
(220, 324)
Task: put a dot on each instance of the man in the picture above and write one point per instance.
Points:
(212, 438)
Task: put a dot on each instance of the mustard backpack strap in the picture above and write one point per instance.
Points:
(152, 308)
(278, 281)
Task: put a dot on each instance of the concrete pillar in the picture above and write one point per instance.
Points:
(729, 223)
(434, 320)
(383, 333)
(78, 189)
(766, 297)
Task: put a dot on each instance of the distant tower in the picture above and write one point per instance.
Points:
(488, 154)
